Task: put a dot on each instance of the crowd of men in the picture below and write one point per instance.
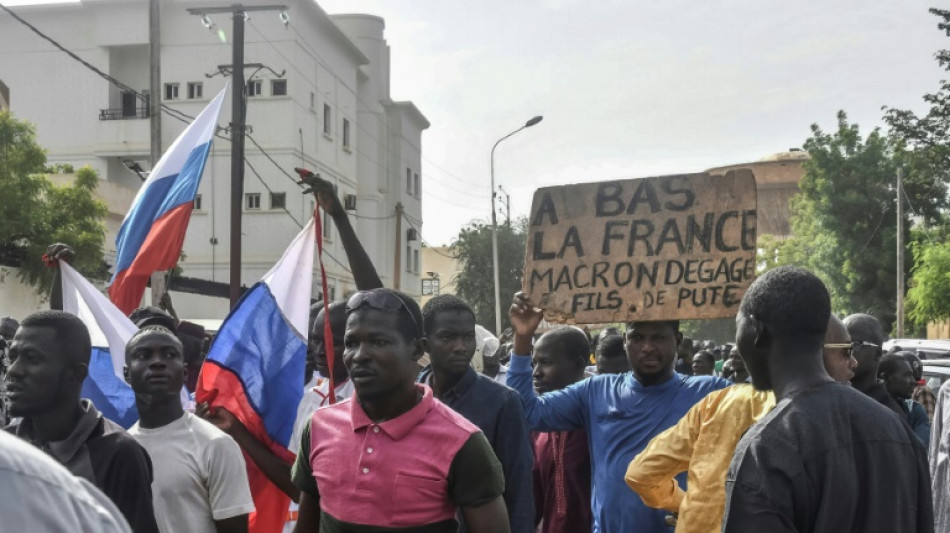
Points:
(815, 429)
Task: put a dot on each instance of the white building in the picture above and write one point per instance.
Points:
(322, 103)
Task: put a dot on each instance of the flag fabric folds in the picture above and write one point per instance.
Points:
(151, 236)
(109, 330)
(255, 367)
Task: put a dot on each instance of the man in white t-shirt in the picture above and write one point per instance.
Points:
(200, 478)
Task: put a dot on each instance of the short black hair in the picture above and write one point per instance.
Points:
(147, 330)
(337, 310)
(611, 346)
(409, 315)
(792, 301)
(573, 340)
(153, 316)
(442, 303)
(71, 333)
(673, 324)
(890, 363)
(703, 354)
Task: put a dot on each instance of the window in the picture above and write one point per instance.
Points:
(415, 261)
(197, 206)
(254, 87)
(346, 133)
(278, 200)
(327, 120)
(416, 184)
(408, 258)
(278, 87)
(252, 200)
(409, 181)
(171, 91)
(326, 225)
(195, 90)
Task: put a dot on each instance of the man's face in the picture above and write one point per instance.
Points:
(377, 357)
(738, 365)
(553, 369)
(703, 366)
(155, 365)
(317, 349)
(839, 361)
(900, 382)
(866, 351)
(753, 358)
(39, 372)
(651, 349)
(451, 342)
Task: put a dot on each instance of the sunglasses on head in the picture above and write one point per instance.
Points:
(381, 301)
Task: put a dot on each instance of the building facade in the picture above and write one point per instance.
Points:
(320, 101)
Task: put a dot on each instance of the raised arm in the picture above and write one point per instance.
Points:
(364, 273)
(54, 254)
(565, 409)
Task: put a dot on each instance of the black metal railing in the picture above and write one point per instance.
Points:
(123, 113)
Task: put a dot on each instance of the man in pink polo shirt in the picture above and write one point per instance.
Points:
(393, 457)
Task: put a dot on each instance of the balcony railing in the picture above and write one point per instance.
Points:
(123, 113)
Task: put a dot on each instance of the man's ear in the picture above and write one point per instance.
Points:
(679, 339)
(185, 372)
(125, 374)
(418, 348)
(763, 336)
(79, 371)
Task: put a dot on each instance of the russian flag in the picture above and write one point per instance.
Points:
(153, 231)
(256, 364)
(110, 331)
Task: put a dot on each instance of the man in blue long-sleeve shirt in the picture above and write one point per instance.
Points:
(620, 412)
(449, 325)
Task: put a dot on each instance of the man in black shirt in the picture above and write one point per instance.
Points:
(49, 361)
(867, 337)
(827, 458)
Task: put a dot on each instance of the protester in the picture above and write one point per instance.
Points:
(416, 461)
(619, 412)
(38, 494)
(492, 366)
(703, 442)
(684, 359)
(449, 325)
(739, 373)
(836, 352)
(200, 477)
(940, 459)
(611, 357)
(704, 364)
(898, 378)
(922, 393)
(867, 337)
(826, 458)
(49, 360)
(561, 468)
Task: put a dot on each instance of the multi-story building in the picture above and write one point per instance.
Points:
(320, 101)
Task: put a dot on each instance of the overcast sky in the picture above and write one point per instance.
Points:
(633, 88)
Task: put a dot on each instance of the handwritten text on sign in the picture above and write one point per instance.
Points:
(665, 248)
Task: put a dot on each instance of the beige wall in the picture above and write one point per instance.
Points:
(938, 330)
(439, 260)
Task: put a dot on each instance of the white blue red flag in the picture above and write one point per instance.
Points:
(153, 231)
(110, 331)
(255, 367)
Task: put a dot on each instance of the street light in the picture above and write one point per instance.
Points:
(494, 223)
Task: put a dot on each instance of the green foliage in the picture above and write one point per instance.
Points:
(844, 219)
(475, 283)
(929, 296)
(35, 213)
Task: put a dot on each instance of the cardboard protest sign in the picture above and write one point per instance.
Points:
(662, 248)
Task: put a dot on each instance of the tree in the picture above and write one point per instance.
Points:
(35, 213)
(475, 283)
(927, 298)
(844, 219)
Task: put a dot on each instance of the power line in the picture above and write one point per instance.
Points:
(430, 246)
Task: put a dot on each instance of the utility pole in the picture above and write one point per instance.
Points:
(155, 113)
(238, 95)
(397, 265)
(900, 252)
(507, 206)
